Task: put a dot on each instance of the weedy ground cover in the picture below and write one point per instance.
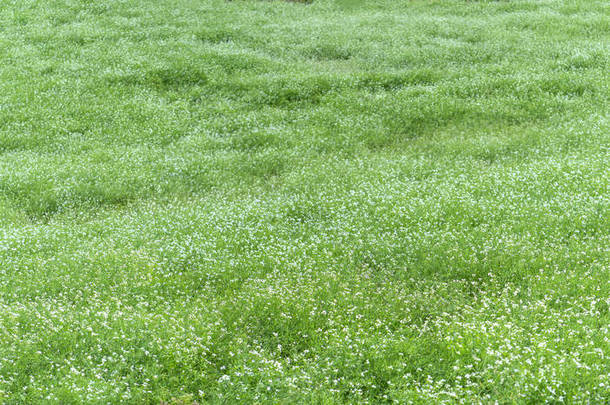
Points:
(265, 201)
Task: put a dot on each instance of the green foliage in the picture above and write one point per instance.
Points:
(266, 202)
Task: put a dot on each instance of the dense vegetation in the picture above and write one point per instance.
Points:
(267, 201)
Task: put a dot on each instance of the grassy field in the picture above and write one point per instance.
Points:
(274, 202)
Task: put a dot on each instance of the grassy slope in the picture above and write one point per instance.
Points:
(264, 200)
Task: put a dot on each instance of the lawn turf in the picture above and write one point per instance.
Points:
(275, 202)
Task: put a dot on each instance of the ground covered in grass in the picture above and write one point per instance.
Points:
(262, 201)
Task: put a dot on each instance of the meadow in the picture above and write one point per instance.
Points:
(207, 201)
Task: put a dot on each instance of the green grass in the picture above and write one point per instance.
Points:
(276, 202)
